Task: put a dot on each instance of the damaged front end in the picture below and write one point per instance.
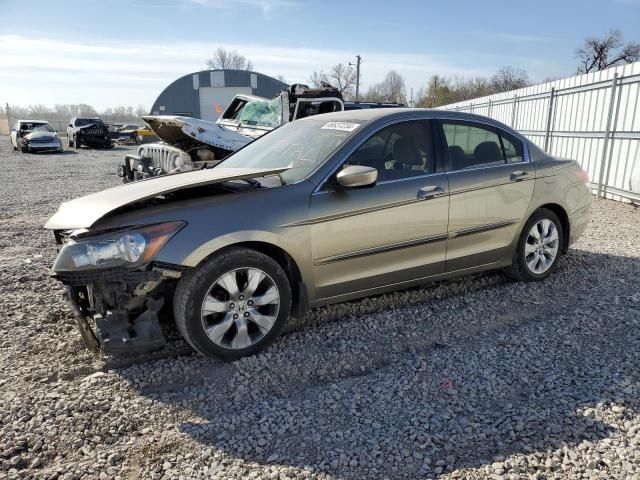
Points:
(115, 288)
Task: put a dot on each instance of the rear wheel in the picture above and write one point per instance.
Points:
(233, 305)
(539, 247)
(77, 143)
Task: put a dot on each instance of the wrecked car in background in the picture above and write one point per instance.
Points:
(35, 136)
(89, 131)
(135, 135)
(190, 144)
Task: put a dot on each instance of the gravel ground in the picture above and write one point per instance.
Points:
(473, 378)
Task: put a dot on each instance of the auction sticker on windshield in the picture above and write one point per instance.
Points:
(343, 126)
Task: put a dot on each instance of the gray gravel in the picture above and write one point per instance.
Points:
(474, 378)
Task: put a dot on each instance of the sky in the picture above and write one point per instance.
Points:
(113, 52)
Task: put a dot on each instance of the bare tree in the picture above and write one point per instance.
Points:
(373, 94)
(318, 79)
(341, 76)
(438, 92)
(600, 53)
(393, 88)
(509, 78)
(228, 59)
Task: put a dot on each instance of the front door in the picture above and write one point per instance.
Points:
(369, 238)
(491, 186)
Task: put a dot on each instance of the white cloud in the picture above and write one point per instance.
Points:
(266, 6)
(49, 71)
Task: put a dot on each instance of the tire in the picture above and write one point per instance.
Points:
(77, 143)
(237, 327)
(540, 264)
(69, 141)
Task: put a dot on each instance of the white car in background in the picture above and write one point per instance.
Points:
(35, 136)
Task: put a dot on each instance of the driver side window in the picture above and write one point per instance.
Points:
(399, 151)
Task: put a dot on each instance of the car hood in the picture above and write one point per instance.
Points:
(83, 212)
(40, 135)
(177, 131)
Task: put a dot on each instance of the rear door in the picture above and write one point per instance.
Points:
(394, 231)
(491, 185)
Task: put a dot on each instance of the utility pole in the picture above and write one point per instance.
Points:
(357, 65)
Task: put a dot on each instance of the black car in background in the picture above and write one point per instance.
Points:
(91, 132)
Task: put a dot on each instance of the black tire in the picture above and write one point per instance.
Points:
(196, 283)
(24, 149)
(519, 270)
(69, 141)
(77, 143)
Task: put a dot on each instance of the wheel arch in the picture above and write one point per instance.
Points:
(564, 219)
(300, 301)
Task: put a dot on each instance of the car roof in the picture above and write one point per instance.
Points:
(370, 115)
(33, 121)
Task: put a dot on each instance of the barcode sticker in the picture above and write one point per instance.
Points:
(342, 126)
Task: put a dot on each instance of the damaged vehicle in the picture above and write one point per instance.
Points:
(35, 136)
(322, 210)
(91, 132)
(189, 143)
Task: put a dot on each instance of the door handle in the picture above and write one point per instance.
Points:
(430, 191)
(518, 175)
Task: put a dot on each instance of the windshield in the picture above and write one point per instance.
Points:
(80, 122)
(38, 127)
(303, 145)
(264, 113)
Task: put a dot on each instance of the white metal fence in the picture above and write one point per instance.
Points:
(593, 118)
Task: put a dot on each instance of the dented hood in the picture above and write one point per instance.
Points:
(179, 130)
(83, 212)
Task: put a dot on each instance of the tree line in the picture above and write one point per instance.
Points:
(596, 53)
(61, 113)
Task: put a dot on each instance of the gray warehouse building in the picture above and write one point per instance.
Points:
(206, 94)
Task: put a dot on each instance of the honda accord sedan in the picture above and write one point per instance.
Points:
(325, 209)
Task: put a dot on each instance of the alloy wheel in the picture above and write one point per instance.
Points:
(240, 308)
(541, 248)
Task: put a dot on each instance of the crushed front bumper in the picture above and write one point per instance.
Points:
(114, 311)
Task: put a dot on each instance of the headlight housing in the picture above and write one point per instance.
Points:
(127, 248)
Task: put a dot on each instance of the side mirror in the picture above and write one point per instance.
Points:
(71, 125)
(355, 176)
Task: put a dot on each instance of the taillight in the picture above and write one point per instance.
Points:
(582, 176)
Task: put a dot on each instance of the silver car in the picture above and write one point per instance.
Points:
(35, 136)
(322, 210)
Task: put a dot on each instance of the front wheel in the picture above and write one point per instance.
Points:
(77, 143)
(234, 304)
(539, 247)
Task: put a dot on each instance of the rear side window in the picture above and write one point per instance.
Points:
(472, 145)
(512, 147)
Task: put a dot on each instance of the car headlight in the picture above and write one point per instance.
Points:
(127, 248)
